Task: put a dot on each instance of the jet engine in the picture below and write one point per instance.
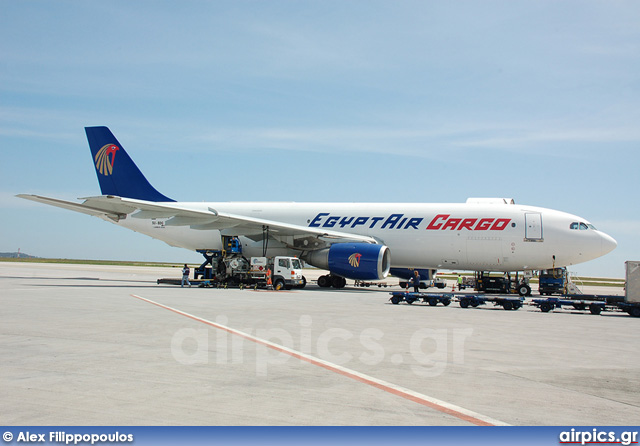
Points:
(360, 261)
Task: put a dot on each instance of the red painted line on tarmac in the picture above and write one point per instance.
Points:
(433, 403)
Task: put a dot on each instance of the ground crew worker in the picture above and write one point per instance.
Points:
(269, 283)
(415, 280)
(185, 276)
(459, 282)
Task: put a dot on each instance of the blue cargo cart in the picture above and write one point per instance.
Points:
(475, 300)
(432, 299)
(551, 303)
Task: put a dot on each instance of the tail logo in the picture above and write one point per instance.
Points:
(354, 260)
(105, 157)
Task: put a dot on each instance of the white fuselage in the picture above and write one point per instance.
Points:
(465, 236)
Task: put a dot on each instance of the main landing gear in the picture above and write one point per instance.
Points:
(331, 281)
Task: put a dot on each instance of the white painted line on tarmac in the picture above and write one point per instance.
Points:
(425, 400)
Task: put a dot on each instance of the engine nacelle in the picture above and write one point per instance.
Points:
(360, 261)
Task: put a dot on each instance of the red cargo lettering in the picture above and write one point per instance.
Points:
(433, 224)
(484, 224)
(451, 224)
(467, 223)
(500, 224)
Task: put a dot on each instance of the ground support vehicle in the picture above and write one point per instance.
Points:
(553, 281)
(632, 309)
(631, 302)
(438, 282)
(229, 268)
(432, 299)
(284, 272)
(466, 300)
(474, 300)
(501, 284)
(364, 283)
(596, 304)
(178, 281)
(581, 304)
(467, 282)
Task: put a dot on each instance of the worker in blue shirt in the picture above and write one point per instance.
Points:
(415, 281)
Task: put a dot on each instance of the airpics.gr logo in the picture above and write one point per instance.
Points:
(104, 164)
(354, 260)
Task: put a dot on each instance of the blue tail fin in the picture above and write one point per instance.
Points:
(117, 173)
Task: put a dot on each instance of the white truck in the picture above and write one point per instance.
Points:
(286, 272)
(233, 269)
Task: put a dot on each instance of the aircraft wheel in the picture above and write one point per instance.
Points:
(338, 282)
(324, 282)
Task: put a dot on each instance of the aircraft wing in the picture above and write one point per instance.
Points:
(229, 224)
(180, 214)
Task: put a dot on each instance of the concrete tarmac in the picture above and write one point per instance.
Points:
(106, 345)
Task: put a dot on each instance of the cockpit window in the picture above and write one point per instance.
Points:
(581, 226)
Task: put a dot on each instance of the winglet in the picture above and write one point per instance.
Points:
(117, 173)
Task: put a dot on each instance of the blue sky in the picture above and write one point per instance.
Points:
(416, 101)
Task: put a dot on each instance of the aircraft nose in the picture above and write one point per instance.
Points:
(608, 243)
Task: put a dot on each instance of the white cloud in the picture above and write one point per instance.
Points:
(526, 138)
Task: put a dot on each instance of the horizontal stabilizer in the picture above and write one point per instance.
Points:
(79, 207)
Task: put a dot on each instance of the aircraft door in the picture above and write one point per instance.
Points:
(533, 227)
